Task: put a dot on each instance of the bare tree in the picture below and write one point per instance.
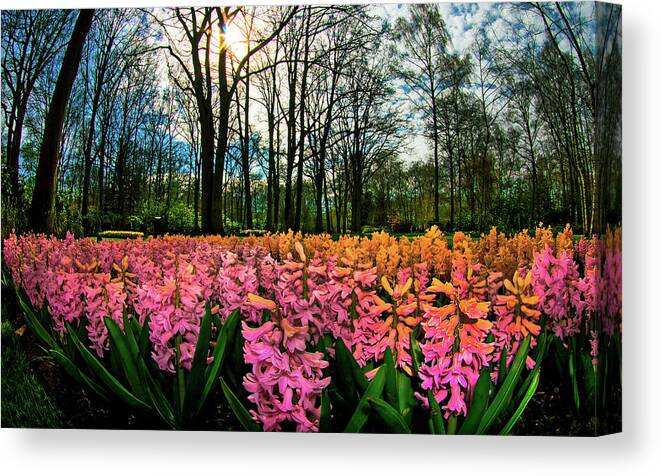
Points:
(31, 39)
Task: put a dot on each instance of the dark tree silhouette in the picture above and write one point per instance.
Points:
(41, 209)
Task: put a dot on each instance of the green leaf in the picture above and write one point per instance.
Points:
(136, 328)
(77, 375)
(115, 365)
(346, 383)
(325, 416)
(198, 367)
(239, 410)
(159, 401)
(603, 381)
(416, 353)
(479, 405)
(452, 424)
(111, 382)
(35, 324)
(405, 393)
(143, 339)
(589, 377)
(542, 346)
(212, 373)
(128, 359)
(342, 409)
(235, 372)
(390, 417)
(572, 375)
(504, 395)
(352, 378)
(532, 388)
(390, 389)
(361, 414)
(502, 365)
(436, 424)
(152, 388)
(130, 335)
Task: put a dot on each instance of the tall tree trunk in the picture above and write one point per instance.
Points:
(319, 192)
(276, 180)
(436, 168)
(102, 160)
(451, 163)
(205, 109)
(301, 142)
(43, 197)
(14, 151)
(328, 215)
(291, 151)
(223, 126)
(87, 160)
(245, 156)
(356, 207)
(533, 164)
(288, 212)
(271, 172)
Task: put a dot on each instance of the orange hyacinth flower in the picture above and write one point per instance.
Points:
(519, 306)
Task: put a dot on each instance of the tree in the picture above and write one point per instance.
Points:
(111, 52)
(44, 192)
(370, 130)
(422, 60)
(31, 39)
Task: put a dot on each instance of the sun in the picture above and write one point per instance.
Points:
(236, 40)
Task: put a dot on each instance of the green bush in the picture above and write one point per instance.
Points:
(180, 219)
(254, 232)
(120, 234)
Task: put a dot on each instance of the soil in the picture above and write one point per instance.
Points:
(551, 412)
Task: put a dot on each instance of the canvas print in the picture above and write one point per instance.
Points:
(370, 218)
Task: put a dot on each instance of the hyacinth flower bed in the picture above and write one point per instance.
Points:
(306, 333)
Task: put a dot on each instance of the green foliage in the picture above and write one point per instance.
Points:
(180, 218)
(25, 403)
(99, 220)
(386, 403)
(132, 377)
(232, 227)
(367, 230)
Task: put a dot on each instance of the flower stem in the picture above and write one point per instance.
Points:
(452, 425)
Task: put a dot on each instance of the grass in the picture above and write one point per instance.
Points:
(24, 402)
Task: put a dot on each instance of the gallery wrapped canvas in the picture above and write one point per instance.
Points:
(317, 218)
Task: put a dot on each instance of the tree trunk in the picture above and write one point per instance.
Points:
(245, 156)
(87, 160)
(271, 172)
(288, 215)
(301, 142)
(436, 168)
(41, 209)
(14, 151)
(328, 215)
(221, 145)
(276, 181)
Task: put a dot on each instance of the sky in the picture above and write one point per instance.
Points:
(463, 21)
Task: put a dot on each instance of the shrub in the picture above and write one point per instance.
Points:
(120, 234)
